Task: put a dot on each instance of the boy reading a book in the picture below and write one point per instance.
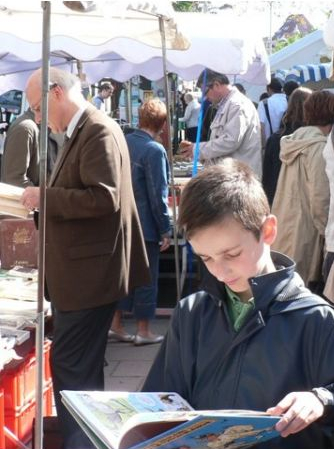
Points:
(253, 337)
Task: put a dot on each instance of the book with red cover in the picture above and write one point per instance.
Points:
(18, 243)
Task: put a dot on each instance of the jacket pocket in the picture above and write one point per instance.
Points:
(92, 250)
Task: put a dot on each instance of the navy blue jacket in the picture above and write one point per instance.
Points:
(286, 345)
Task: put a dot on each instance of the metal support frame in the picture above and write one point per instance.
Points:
(170, 156)
(46, 6)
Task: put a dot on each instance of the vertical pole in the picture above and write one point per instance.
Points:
(270, 42)
(170, 156)
(46, 6)
(129, 102)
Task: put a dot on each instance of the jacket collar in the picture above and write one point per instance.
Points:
(68, 143)
(142, 133)
(265, 287)
(75, 120)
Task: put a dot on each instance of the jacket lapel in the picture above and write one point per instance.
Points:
(68, 143)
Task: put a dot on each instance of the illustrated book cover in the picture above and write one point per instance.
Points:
(122, 420)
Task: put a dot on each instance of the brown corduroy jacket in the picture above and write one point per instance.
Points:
(95, 251)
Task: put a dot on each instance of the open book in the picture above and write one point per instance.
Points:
(120, 420)
(10, 201)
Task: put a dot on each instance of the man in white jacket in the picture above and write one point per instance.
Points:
(235, 131)
(191, 115)
(271, 109)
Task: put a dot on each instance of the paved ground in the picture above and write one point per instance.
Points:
(128, 365)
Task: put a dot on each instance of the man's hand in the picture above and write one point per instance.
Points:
(30, 198)
(187, 149)
(165, 243)
(299, 410)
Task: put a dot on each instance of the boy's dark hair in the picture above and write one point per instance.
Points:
(230, 189)
(211, 77)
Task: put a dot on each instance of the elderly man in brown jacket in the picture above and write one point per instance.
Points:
(94, 247)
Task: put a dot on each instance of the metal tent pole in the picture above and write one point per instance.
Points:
(170, 155)
(46, 6)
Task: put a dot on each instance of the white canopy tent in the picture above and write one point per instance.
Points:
(120, 48)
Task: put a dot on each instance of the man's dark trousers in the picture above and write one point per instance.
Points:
(77, 361)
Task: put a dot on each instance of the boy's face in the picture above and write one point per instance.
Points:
(233, 255)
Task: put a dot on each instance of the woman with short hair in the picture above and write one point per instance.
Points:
(150, 175)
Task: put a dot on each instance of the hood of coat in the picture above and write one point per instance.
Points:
(300, 141)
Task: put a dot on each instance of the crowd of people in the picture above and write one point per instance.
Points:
(283, 140)
(258, 333)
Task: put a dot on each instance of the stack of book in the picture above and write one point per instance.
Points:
(10, 204)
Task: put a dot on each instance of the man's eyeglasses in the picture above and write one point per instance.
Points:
(37, 108)
(208, 87)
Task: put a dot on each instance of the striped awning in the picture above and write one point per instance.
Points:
(304, 73)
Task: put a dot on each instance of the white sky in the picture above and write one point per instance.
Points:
(258, 12)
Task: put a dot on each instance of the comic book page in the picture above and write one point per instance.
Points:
(105, 413)
(215, 430)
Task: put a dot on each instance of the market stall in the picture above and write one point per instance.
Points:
(120, 48)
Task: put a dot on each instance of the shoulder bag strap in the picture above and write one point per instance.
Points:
(265, 104)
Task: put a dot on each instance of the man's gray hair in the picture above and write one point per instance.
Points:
(65, 80)
(189, 96)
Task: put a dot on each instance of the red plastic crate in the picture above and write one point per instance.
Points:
(19, 383)
(2, 423)
(20, 421)
(47, 368)
(13, 384)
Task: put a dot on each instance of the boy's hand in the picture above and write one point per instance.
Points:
(187, 149)
(299, 410)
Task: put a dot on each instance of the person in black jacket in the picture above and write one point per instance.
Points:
(292, 120)
(253, 337)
